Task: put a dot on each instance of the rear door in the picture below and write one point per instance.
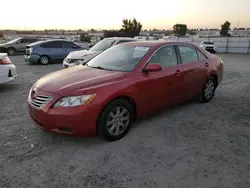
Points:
(158, 89)
(195, 67)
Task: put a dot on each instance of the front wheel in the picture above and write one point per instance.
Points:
(44, 60)
(115, 120)
(208, 90)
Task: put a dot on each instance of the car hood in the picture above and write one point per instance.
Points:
(82, 54)
(3, 44)
(76, 80)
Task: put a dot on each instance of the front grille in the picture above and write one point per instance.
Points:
(39, 101)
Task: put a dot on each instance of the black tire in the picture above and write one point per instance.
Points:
(205, 97)
(102, 129)
(11, 51)
(44, 60)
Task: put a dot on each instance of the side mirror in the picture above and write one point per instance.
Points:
(153, 68)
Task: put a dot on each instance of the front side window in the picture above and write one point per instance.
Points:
(201, 55)
(119, 58)
(188, 54)
(165, 56)
(67, 45)
(102, 45)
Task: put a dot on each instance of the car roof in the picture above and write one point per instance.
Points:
(45, 41)
(122, 38)
(155, 43)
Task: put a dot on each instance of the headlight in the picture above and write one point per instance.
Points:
(74, 100)
(76, 61)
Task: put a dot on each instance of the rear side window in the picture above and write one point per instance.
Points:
(54, 44)
(31, 40)
(188, 53)
(201, 55)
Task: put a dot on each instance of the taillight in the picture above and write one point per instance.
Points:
(5, 61)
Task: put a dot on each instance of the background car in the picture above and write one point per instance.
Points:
(16, 45)
(78, 57)
(209, 46)
(7, 69)
(127, 81)
(48, 51)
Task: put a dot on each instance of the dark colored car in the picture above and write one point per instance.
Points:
(48, 51)
(16, 45)
(125, 82)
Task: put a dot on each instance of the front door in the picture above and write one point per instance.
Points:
(158, 89)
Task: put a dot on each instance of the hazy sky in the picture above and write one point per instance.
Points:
(160, 14)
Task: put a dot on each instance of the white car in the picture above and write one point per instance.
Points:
(83, 56)
(209, 46)
(7, 69)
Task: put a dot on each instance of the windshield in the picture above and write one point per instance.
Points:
(119, 58)
(102, 45)
(208, 43)
(13, 41)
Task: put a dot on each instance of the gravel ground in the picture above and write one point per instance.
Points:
(192, 145)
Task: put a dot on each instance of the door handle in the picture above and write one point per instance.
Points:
(206, 64)
(178, 72)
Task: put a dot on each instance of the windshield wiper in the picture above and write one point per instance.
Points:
(100, 67)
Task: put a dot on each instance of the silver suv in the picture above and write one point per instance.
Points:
(16, 45)
(209, 46)
(82, 56)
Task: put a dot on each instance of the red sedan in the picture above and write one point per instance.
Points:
(131, 80)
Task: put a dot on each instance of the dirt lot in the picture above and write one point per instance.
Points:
(193, 145)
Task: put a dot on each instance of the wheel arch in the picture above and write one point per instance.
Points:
(127, 98)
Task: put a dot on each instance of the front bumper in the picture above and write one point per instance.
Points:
(33, 58)
(73, 121)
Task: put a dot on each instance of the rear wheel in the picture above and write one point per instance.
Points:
(115, 120)
(44, 60)
(11, 51)
(208, 90)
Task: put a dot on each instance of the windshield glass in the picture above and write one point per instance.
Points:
(102, 45)
(13, 41)
(208, 43)
(119, 58)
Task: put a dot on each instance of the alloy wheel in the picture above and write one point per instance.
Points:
(117, 120)
(44, 60)
(209, 89)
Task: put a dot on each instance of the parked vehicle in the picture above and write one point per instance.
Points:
(16, 45)
(7, 69)
(127, 81)
(79, 57)
(209, 46)
(48, 51)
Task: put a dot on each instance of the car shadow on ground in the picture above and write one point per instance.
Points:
(7, 87)
(39, 64)
(95, 140)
